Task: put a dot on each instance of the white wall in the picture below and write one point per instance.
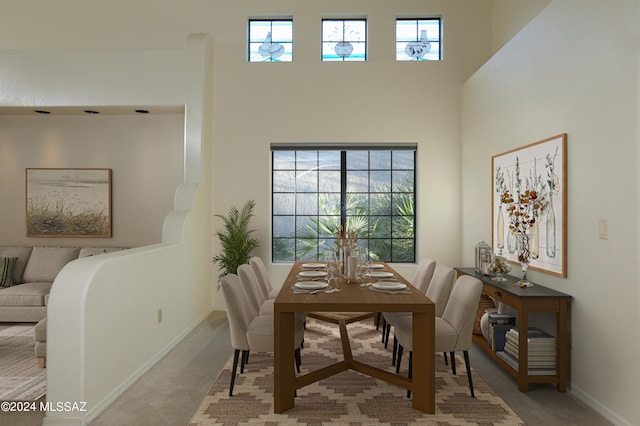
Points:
(509, 16)
(102, 330)
(573, 69)
(145, 153)
(377, 101)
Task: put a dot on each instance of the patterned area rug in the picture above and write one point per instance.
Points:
(20, 377)
(348, 398)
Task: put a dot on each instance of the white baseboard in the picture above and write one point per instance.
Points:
(603, 410)
(57, 420)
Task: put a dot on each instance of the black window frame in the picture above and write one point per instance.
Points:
(325, 240)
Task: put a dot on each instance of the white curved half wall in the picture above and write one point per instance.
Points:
(103, 330)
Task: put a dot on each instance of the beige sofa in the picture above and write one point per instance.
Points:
(24, 297)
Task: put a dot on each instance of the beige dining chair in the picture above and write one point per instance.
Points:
(263, 277)
(421, 281)
(257, 297)
(438, 292)
(249, 332)
(453, 329)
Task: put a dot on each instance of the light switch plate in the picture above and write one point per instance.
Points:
(603, 229)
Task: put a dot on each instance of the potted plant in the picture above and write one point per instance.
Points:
(236, 240)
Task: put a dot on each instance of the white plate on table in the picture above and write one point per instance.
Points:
(312, 274)
(313, 265)
(376, 266)
(375, 274)
(388, 285)
(311, 285)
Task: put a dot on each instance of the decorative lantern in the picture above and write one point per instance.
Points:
(484, 258)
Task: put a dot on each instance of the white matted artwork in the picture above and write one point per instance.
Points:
(540, 167)
(68, 202)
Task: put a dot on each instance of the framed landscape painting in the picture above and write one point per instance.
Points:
(68, 202)
(540, 167)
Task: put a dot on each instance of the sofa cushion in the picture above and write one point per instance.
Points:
(46, 262)
(6, 270)
(22, 253)
(94, 251)
(27, 294)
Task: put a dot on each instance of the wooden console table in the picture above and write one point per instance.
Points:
(525, 301)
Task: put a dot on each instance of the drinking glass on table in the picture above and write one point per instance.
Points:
(333, 269)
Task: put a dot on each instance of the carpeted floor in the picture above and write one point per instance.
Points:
(20, 377)
(348, 398)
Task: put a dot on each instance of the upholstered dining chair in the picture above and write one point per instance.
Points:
(421, 281)
(249, 332)
(438, 292)
(257, 297)
(453, 329)
(263, 277)
(424, 274)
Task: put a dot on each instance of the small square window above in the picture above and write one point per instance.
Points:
(418, 39)
(344, 39)
(270, 40)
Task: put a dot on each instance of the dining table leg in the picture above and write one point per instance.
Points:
(423, 360)
(284, 373)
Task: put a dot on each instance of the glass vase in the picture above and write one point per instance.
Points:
(524, 258)
(551, 229)
(500, 230)
(511, 242)
(534, 241)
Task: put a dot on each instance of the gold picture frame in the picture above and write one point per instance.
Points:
(542, 167)
(68, 202)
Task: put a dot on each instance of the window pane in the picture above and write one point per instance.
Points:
(329, 160)
(418, 39)
(344, 40)
(306, 181)
(307, 204)
(380, 181)
(283, 249)
(270, 40)
(402, 251)
(403, 160)
(284, 204)
(381, 160)
(381, 204)
(329, 181)
(284, 160)
(357, 160)
(403, 181)
(284, 181)
(358, 181)
(284, 226)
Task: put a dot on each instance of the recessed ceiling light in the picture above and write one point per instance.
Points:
(142, 111)
(90, 111)
(41, 111)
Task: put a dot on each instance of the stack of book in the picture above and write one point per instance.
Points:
(499, 324)
(541, 353)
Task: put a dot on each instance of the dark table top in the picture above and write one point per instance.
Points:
(507, 287)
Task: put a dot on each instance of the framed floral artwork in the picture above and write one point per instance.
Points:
(68, 203)
(529, 197)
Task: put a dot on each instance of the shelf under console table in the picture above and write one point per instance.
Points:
(525, 301)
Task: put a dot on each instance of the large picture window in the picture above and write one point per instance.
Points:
(369, 190)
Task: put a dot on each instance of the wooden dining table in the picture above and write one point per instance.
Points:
(353, 297)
